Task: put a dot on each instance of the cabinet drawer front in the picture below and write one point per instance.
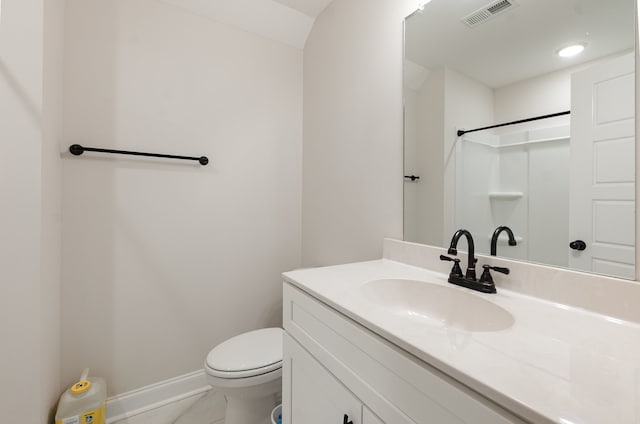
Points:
(396, 386)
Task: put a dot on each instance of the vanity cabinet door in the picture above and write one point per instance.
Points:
(311, 394)
(369, 417)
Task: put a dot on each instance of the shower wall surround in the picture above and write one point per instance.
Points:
(519, 194)
(496, 177)
(164, 259)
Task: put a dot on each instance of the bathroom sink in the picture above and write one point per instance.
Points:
(450, 307)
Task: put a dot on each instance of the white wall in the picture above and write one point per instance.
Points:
(541, 95)
(637, 158)
(423, 153)
(51, 197)
(352, 154)
(468, 104)
(162, 260)
(411, 201)
(431, 157)
(29, 217)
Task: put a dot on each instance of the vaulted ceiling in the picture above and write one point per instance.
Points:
(286, 21)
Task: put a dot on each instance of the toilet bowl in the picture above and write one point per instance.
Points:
(248, 369)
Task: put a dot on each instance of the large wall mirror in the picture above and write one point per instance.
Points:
(563, 181)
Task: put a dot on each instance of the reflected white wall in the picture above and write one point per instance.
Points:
(424, 153)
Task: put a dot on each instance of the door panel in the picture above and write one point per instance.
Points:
(602, 188)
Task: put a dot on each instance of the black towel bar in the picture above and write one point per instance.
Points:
(77, 150)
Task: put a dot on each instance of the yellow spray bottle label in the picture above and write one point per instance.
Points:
(97, 416)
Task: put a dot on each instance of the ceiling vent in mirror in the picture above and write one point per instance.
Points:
(489, 11)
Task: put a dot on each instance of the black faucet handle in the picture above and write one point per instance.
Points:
(486, 277)
(456, 271)
(497, 269)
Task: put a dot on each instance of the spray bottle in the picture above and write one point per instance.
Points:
(84, 402)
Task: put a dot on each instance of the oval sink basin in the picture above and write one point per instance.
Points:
(448, 306)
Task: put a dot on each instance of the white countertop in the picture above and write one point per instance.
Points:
(555, 364)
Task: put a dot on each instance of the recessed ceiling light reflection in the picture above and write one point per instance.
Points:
(571, 51)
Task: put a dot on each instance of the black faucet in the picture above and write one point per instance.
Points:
(496, 234)
(471, 262)
(486, 284)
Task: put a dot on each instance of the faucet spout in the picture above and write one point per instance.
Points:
(496, 234)
(471, 264)
(485, 284)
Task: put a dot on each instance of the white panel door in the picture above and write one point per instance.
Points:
(312, 395)
(602, 192)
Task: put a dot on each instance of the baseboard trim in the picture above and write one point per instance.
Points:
(156, 396)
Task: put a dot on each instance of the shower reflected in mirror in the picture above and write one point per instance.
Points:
(504, 129)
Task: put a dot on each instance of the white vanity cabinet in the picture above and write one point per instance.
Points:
(333, 366)
(316, 395)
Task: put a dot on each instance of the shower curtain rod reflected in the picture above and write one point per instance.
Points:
(521, 121)
(77, 150)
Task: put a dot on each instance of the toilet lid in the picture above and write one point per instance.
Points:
(253, 353)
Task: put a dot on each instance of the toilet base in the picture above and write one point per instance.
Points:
(247, 410)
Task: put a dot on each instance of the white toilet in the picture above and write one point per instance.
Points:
(248, 369)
